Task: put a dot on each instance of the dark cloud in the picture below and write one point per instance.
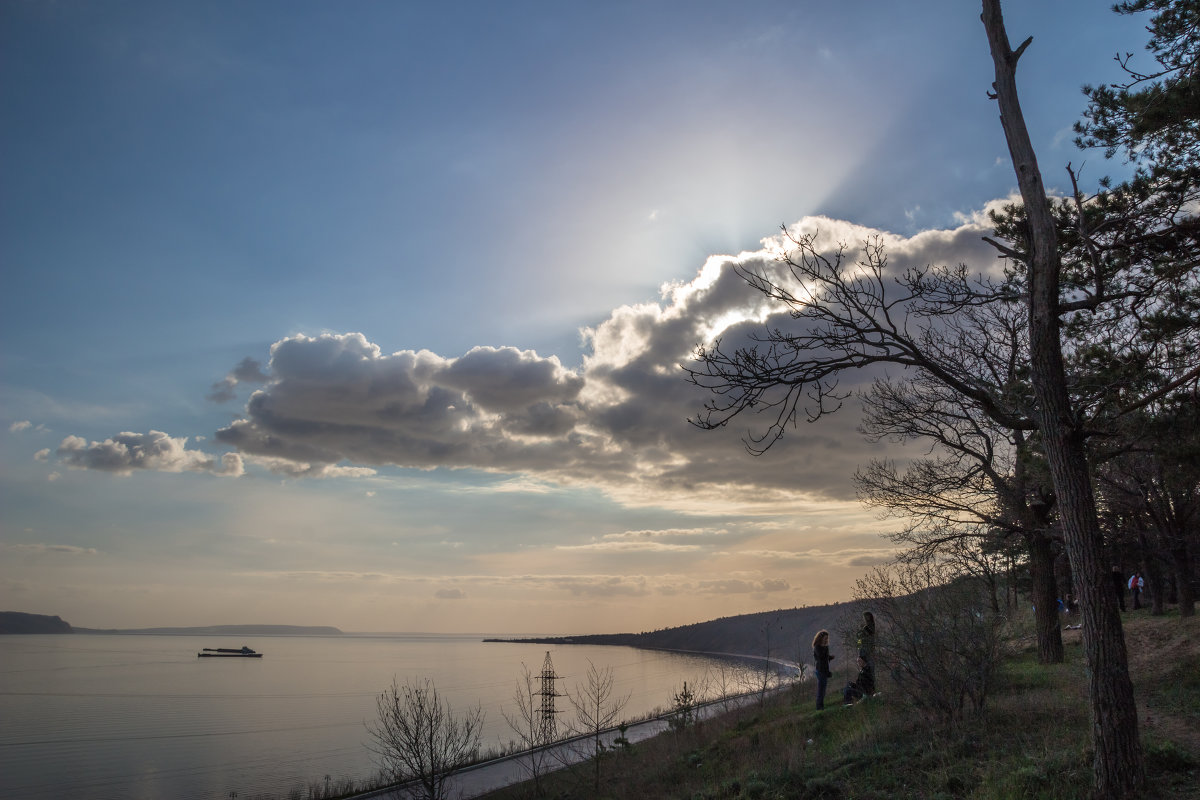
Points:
(247, 371)
(507, 379)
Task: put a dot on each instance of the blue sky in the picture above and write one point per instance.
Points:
(369, 314)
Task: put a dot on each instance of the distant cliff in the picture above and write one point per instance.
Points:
(785, 634)
(20, 622)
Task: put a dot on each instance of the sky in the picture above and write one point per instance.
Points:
(372, 314)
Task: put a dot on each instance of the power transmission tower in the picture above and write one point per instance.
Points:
(548, 727)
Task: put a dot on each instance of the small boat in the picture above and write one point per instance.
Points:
(228, 652)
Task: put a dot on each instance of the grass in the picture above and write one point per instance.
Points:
(1033, 741)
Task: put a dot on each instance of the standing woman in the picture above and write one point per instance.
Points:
(866, 639)
(821, 658)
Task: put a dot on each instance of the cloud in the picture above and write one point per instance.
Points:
(742, 586)
(247, 371)
(338, 405)
(850, 557)
(667, 533)
(127, 452)
(631, 547)
(303, 469)
(64, 549)
(609, 586)
(22, 425)
(668, 540)
(450, 594)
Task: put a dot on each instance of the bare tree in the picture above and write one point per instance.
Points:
(417, 737)
(722, 683)
(597, 709)
(982, 480)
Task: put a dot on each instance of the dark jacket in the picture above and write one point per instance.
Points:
(866, 680)
(866, 642)
(822, 658)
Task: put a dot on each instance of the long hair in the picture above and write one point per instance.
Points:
(870, 621)
(821, 634)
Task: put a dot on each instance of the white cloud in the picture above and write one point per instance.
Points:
(668, 533)
(303, 469)
(21, 425)
(338, 405)
(127, 452)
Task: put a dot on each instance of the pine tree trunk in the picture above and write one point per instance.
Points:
(1149, 570)
(1045, 605)
(1182, 563)
(1118, 766)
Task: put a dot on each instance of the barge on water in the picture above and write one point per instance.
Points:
(228, 652)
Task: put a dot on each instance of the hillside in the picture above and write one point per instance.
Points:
(20, 622)
(1032, 743)
(785, 634)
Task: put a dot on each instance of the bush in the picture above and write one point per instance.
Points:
(418, 737)
(937, 639)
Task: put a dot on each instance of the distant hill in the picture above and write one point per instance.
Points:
(227, 630)
(20, 622)
(785, 634)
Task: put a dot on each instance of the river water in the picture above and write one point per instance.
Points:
(140, 716)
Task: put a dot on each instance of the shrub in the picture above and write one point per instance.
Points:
(938, 640)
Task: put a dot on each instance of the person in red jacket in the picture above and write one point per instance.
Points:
(1135, 588)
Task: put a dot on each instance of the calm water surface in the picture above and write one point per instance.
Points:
(85, 716)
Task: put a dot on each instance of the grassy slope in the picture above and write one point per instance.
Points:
(1033, 742)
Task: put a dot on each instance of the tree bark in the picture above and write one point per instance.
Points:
(1152, 574)
(1118, 765)
(1045, 600)
(1182, 564)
